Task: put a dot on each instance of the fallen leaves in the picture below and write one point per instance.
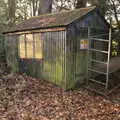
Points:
(27, 98)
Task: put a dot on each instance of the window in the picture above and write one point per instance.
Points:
(30, 46)
(38, 46)
(22, 46)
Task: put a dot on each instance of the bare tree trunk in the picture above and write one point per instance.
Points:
(114, 8)
(45, 6)
(81, 3)
(33, 5)
(11, 12)
(115, 14)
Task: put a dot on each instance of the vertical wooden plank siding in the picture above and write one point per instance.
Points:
(76, 57)
(52, 66)
(11, 46)
(2, 48)
(54, 57)
(65, 57)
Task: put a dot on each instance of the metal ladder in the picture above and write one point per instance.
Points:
(91, 60)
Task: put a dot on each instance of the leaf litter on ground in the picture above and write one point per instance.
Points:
(26, 98)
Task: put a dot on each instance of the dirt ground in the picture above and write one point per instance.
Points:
(26, 98)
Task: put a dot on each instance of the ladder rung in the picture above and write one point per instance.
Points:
(93, 60)
(93, 80)
(96, 71)
(106, 52)
(96, 39)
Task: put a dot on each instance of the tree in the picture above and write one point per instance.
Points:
(114, 10)
(22, 13)
(45, 6)
(81, 3)
(11, 12)
(101, 4)
(63, 5)
(3, 20)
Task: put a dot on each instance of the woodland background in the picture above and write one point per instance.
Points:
(14, 11)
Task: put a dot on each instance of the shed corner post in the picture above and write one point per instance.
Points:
(65, 57)
(5, 47)
(88, 53)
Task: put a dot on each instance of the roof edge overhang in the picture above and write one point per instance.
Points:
(61, 27)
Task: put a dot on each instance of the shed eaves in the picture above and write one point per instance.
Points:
(51, 20)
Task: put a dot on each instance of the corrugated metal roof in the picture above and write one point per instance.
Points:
(51, 20)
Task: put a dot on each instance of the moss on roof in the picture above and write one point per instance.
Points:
(51, 20)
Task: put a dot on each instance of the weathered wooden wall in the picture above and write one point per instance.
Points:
(2, 48)
(54, 57)
(76, 59)
(11, 47)
(52, 66)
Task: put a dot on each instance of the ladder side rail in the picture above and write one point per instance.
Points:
(108, 63)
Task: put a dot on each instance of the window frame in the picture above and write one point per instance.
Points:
(33, 44)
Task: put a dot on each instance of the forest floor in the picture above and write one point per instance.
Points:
(27, 98)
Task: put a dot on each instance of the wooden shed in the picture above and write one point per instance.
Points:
(54, 46)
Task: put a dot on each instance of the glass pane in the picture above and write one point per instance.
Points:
(22, 46)
(38, 46)
(29, 45)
